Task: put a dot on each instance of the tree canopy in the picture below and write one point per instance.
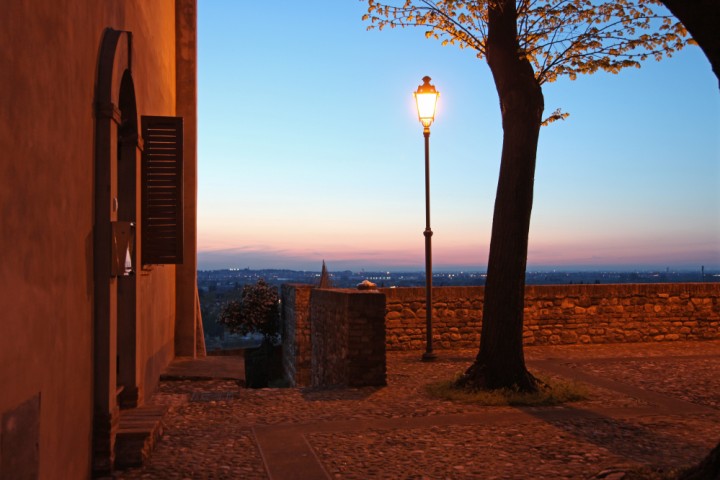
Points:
(558, 37)
(256, 312)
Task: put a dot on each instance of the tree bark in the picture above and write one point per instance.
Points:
(707, 469)
(701, 18)
(500, 362)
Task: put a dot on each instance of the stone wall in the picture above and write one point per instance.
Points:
(296, 333)
(348, 338)
(554, 314)
(457, 313)
(561, 314)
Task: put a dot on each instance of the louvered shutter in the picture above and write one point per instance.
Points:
(162, 190)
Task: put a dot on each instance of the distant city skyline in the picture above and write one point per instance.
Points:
(309, 150)
(225, 260)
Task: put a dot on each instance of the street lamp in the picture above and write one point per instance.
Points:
(426, 99)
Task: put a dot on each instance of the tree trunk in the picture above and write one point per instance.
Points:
(500, 362)
(707, 469)
(701, 18)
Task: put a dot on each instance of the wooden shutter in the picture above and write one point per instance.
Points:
(162, 190)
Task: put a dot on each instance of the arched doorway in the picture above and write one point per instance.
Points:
(115, 296)
(127, 305)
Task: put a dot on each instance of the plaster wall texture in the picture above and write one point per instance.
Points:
(156, 326)
(48, 64)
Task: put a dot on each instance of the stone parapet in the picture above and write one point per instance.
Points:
(346, 330)
(457, 314)
(561, 314)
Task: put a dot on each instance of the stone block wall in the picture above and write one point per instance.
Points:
(457, 315)
(296, 333)
(554, 314)
(561, 314)
(348, 338)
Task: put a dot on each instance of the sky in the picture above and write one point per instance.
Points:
(309, 149)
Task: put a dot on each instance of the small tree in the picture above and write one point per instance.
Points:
(256, 312)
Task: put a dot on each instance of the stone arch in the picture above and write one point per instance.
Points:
(113, 89)
(129, 395)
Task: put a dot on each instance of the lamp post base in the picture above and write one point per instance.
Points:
(428, 357)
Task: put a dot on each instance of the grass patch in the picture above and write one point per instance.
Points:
(551, 392)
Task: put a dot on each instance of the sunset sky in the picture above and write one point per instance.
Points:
(310, 149)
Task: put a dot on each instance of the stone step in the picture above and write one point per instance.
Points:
(138, 431)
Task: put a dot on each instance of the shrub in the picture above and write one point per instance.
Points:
(257, 311)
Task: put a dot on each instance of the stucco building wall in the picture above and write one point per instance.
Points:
(156, 326)
(48, 69)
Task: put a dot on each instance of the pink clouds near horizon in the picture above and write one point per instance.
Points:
(413, 258)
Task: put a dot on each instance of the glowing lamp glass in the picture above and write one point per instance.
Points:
(426, 99)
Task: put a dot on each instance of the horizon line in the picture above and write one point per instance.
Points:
(477, 269)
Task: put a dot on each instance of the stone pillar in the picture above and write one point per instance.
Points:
(348, 338)
(297, 349)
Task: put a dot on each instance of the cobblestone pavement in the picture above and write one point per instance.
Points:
(650, 404)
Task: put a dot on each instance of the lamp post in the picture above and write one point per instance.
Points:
(426, 99)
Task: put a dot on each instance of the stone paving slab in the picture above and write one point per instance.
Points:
(575, 449)
(660, 401)
(286, 452)
(650, 374)
(215, 429)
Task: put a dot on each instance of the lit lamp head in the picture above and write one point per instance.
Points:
(426, 99)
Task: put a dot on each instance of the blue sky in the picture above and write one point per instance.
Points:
(310, 149)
